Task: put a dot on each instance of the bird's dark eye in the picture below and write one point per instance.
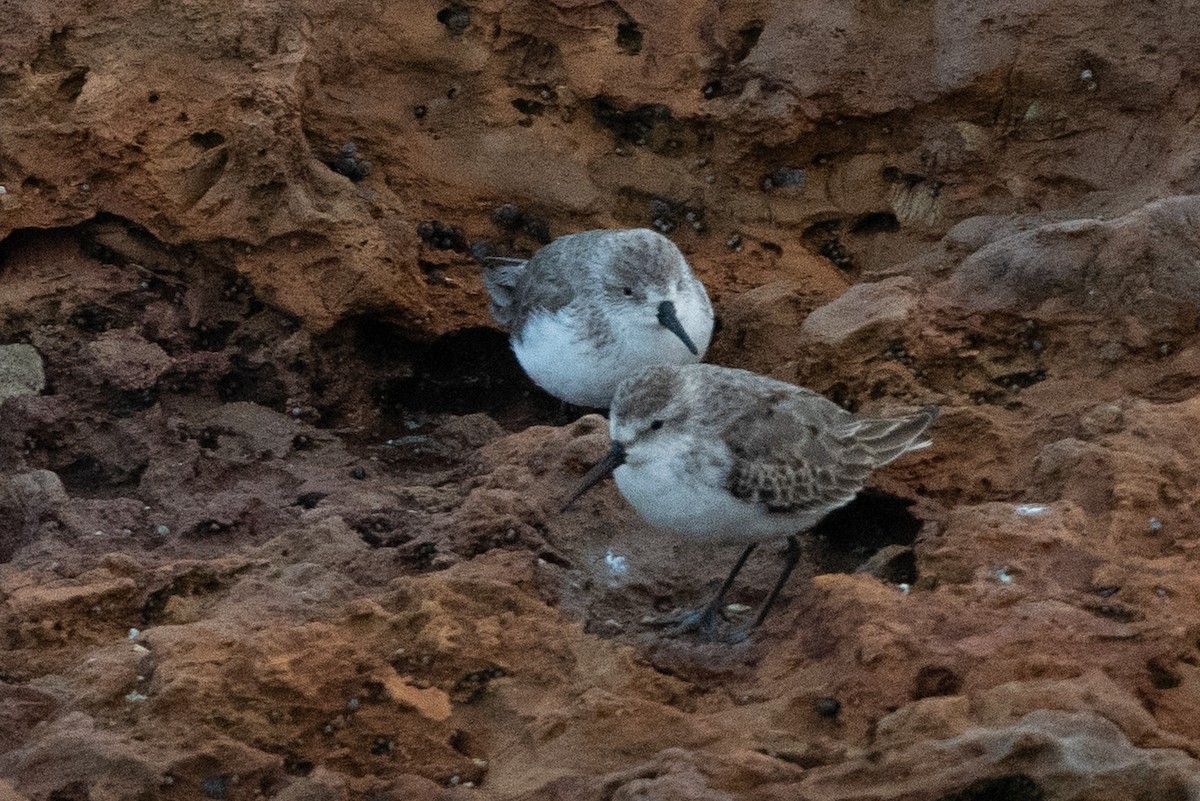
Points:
(655, 425)
(628, 291)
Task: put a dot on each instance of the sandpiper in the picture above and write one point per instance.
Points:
(591, 309)
(731, 457)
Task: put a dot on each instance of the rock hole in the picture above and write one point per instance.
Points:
(295, 765)
(836, 253)
(464, 372)
(747, 38)
(456, 18)
(460, 742)
(74, 791)
(555, 559)
(629, 38)
(258, 383)
(1115, 610)
(935, 680)
(93, 318)
(442, 236)
(186, 586)
(71, 87)
(1162, 675)
(531, 107)
(152, 97)
(469, 689)
(87, 474)
(1011, 787)
(1020, 380)
(207, 140)
(309, 500)
(849, 536)
(651, 125)
(381, 529)
(876, 222)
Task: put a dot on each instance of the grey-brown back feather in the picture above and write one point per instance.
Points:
(886, 439)
(801, 452)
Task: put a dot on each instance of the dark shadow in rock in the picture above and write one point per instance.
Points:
(850, 536)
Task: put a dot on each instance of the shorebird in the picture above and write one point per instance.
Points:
(727, 456)
(590, 309)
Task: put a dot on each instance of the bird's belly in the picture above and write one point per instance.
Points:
(668, 497)
(558, 352)
(555, 351)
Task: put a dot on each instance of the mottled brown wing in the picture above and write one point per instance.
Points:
(791, 453)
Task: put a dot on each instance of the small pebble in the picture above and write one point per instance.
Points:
(133, 634)
(162, 531)
(352, 705)
(828, 707)
(135, 696)
(3, 190)
(1155, 525)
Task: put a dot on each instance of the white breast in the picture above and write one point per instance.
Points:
(655, 482)
(556, 352)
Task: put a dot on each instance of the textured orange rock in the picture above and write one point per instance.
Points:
(284, 520)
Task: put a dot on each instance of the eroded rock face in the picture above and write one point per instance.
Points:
(241, 137)
(279, 514)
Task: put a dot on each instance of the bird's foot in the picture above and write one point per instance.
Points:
(704, 623)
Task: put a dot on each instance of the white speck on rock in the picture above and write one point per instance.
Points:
(1030, 510)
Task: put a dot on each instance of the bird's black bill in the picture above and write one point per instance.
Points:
(670, 321)
(600, 471)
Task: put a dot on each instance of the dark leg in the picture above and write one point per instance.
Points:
(790, 558)
(706, 619)
(714, 606)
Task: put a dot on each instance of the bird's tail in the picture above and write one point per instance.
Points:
(888, 438)
(500, 277)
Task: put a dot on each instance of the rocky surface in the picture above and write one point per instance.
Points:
(279, 513)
